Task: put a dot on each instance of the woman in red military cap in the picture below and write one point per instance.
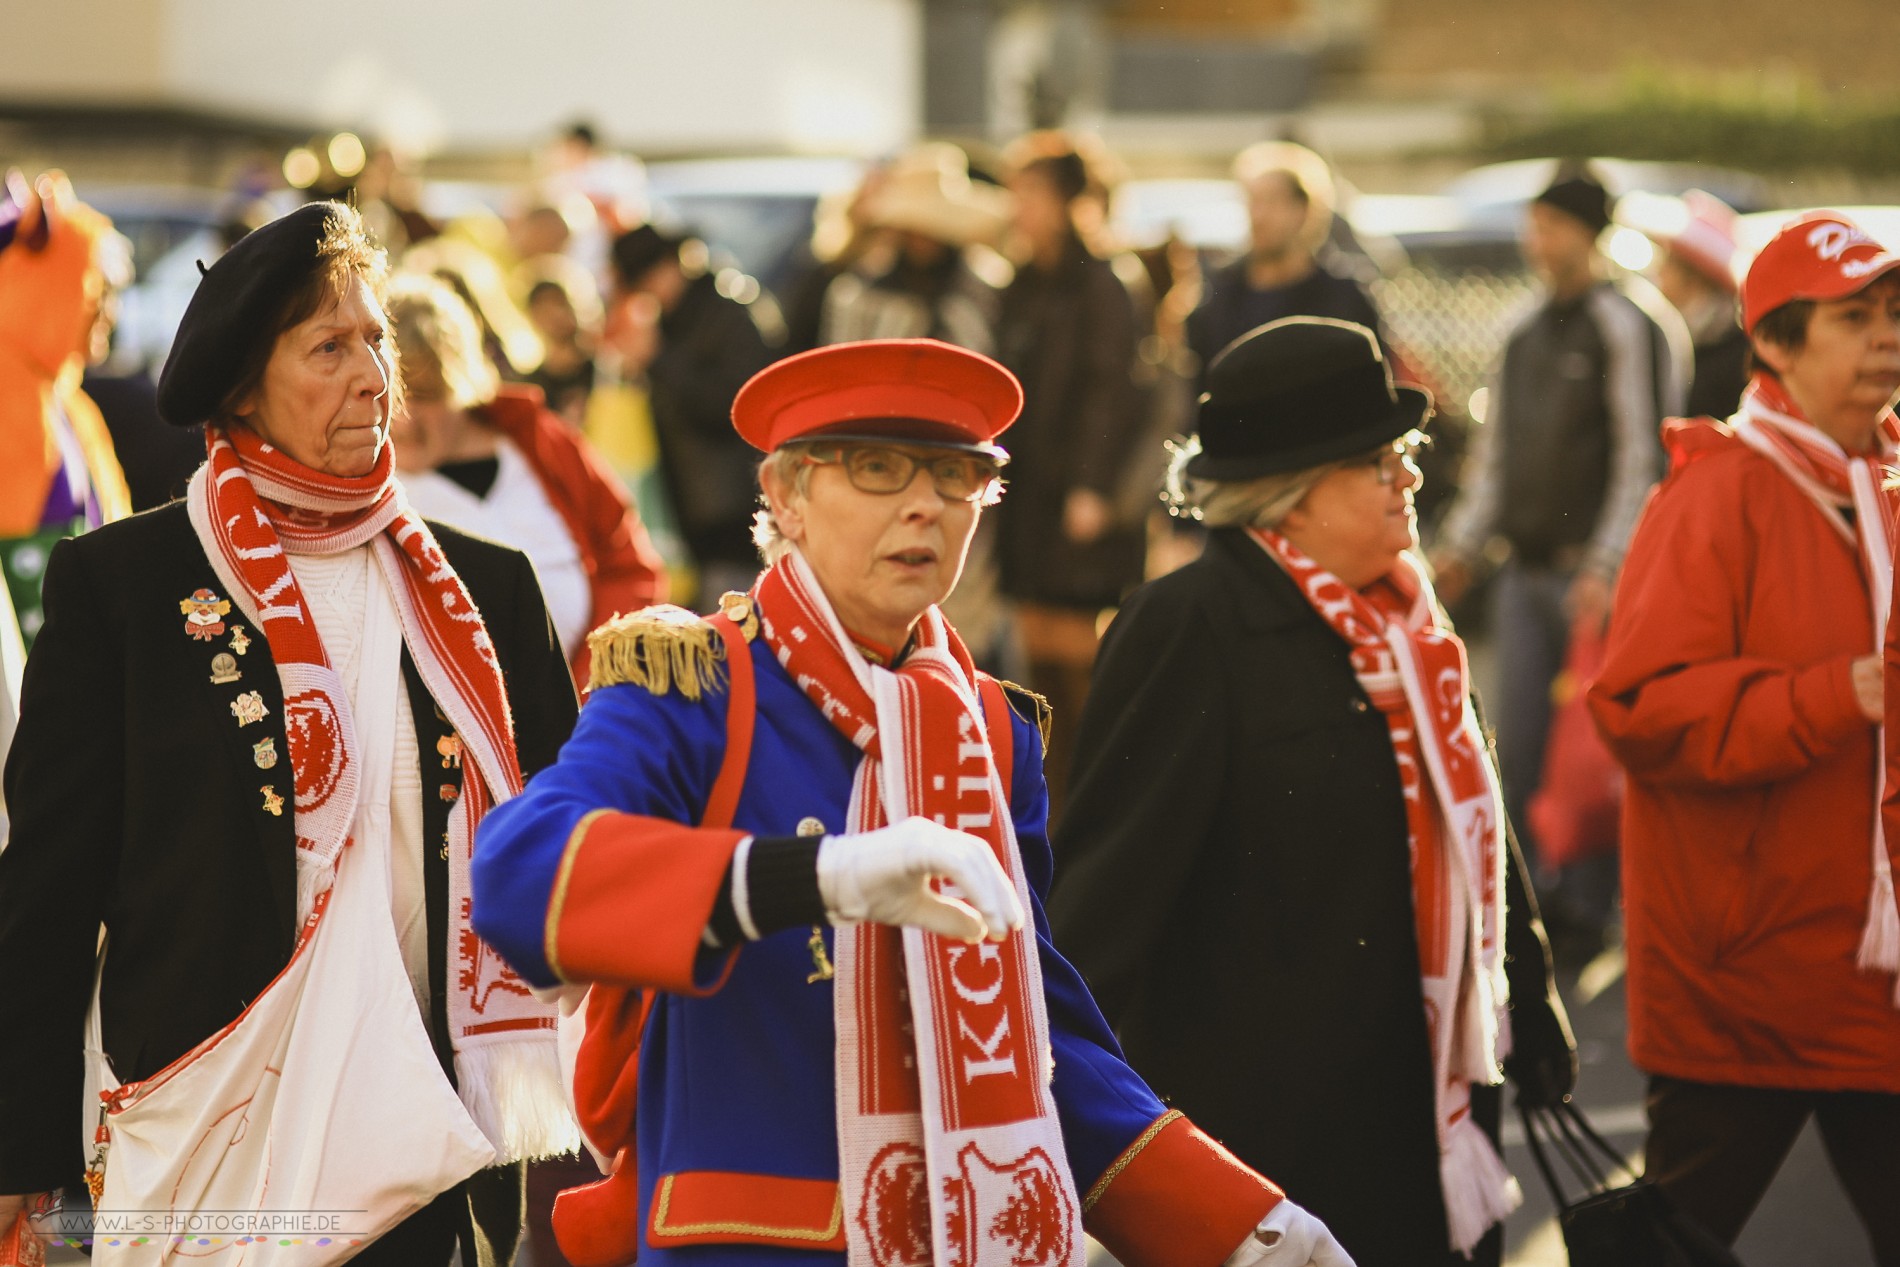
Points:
(798, 851)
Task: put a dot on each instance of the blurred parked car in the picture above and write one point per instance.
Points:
(756, 210)
(170, 228)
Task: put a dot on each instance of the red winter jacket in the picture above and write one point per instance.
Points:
(624, 571)
(1747, 826)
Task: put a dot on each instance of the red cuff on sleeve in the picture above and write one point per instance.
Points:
(1825, 695)
(1176, 1198)
(631, 900)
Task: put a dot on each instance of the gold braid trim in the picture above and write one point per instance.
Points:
(1128, 1155)
(664, 1209)
(660, 648)
(557, 902)
(1045, 711)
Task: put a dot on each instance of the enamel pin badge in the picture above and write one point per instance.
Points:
(204, 614)
(264, 752)
(224, 668)
(240, 641)
(249, 707)
(273, 803)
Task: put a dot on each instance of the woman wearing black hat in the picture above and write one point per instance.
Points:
(257, 733)
(1284, 868)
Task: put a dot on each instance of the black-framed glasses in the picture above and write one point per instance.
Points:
(1389, 463)
(876, 468)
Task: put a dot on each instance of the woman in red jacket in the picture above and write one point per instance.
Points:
(1742, 692)
(492, 459)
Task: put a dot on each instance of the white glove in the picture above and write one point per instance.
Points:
(884, 876)
(1290, 1237)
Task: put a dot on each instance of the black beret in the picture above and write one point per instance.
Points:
(1580, 198)
(236, 304)
(1298, 393)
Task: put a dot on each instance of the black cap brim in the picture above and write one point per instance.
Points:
(912, 434)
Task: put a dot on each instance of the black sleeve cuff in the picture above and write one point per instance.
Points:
(781, 889)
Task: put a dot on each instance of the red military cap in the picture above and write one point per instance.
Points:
(1820, 256)
(916, 390)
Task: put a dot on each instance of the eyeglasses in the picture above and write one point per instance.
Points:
(1389, 463)
(958, 477)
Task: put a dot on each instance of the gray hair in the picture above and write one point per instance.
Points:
(1261, 502)
(788, 466)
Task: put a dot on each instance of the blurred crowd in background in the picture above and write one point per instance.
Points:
(637, 299)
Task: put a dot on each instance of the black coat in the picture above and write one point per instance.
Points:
(136, 801)
(1071, 335)
(709, 346)
(1232, 307)
(1233, 879)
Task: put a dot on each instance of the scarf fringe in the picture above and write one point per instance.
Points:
(1479, 1191)
(1880, 938)
(657, 649)
(513, 1090)
(314, 876)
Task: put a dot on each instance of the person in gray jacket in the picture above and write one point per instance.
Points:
(1560, 471)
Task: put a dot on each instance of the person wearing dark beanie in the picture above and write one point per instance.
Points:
(1554, 482)
(1581, 198)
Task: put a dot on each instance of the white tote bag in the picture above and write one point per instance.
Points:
(319, 1114)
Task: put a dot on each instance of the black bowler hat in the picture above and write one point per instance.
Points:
(237, 302)
(1298, 393)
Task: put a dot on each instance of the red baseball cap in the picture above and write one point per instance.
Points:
(1821, 256)
(919, 391)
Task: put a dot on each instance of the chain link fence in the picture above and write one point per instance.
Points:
(1449, 324)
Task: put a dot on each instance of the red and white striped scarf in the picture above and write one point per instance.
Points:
(1771, 423)
(949, 1147)
(250, 505)
(1416, 673)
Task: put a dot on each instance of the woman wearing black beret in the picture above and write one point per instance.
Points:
(257, 732)
(1284, 869)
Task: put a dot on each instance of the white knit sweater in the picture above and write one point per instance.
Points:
(337, 589)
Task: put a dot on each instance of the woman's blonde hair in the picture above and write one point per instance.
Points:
(440, 342)
(1256, 503)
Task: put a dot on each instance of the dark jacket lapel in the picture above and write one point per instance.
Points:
(245, 702)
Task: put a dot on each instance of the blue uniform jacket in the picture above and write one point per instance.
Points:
(741, 1080)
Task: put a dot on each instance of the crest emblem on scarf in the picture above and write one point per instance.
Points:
(895, 1213)
(1017, 1212)
(316, 746)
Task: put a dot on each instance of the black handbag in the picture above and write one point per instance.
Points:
(1628, 1225)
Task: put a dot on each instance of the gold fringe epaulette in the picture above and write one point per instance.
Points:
(666, 648)
(661, 648)
(1045, 711)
